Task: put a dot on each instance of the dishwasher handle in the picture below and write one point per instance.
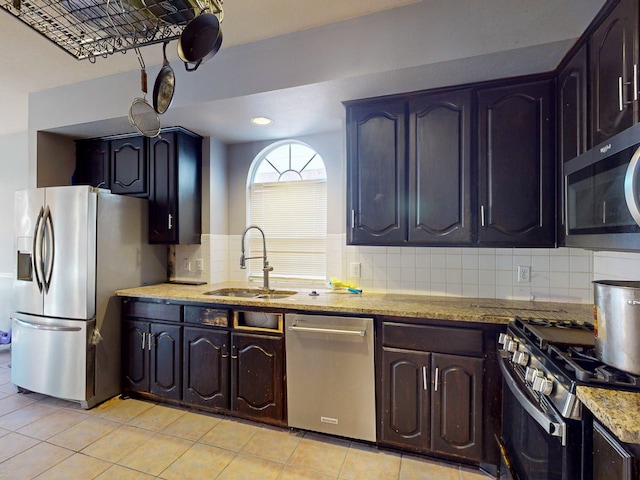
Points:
(296, 327)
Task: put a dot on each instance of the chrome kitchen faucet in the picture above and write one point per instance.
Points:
(266, 268)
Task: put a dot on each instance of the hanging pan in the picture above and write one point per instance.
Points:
(200, 41)
(142, 116)
(165, 85)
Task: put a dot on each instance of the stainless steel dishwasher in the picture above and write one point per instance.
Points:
(330, 375)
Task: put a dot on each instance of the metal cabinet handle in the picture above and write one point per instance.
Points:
(353, 218)
(604, 212)
(482, 215)
(149, 341)
(170, 221)
(144, 339)
(620, 100)
(436, 380)
(424, 378)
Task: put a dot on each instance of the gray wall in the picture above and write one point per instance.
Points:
(331, 148)
(215, 209)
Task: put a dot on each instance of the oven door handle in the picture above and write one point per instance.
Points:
(548, 420)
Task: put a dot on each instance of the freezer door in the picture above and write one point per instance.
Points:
(27, 284)
(70, 252)
(53, 356)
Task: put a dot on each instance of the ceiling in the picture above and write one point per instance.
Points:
(32, 64)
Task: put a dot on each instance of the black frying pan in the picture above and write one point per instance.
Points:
(165, 85)
(200, 40)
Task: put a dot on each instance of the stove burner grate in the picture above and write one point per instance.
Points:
(582, 363)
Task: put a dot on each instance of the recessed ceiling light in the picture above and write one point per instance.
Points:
(262, 121)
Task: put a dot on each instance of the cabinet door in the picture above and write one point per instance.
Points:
(516, 165)
(163, 211)
(129, 167)
(376, 169)
(572, 122)
(406, 411)
(456, 426)
(205, 375)
(136, 356)
(572, 107)
(92, 163)
(257, 375)
(166, 360)
(440, 168)
(610, 458)
(613, 58)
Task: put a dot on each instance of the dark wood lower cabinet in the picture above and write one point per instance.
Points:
(153, 358)
(439, 389)
(406, 411)
(205, 374)
(432, 402)
(456, 406)
(257, 375)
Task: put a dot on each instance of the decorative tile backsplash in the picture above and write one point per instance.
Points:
(556, 275)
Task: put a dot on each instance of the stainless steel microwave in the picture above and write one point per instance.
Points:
(602, 195)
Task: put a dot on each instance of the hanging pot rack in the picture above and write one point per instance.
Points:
(89, 29)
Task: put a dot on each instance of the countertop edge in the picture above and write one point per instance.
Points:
(617, 410)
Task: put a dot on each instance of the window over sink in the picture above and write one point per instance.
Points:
(287, 198)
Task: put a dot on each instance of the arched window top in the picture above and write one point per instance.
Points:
(288, 161)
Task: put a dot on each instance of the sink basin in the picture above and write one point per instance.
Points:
(251, 293)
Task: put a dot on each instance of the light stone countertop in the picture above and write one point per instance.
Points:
(617, 410)
(399, 305)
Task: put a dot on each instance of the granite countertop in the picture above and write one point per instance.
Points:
(400, 305)
(617, 410)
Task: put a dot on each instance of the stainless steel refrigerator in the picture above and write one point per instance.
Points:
(75, 246)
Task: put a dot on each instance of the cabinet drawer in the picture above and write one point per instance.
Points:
(460, 341)
(153, 311)
(215, 317)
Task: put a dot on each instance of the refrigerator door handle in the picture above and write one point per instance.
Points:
(40, 326)
(49, 253)
(37, 242)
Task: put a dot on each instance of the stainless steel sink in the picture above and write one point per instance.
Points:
(251, 293)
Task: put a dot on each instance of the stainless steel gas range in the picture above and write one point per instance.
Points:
(546, 433)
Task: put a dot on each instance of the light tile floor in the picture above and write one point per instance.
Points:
(47, 438)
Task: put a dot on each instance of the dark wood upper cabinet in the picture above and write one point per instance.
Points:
(440, 168)
(614, 72)
(129, 166)
(516, 165)
(572, 107)
(572, 121)
(376, 173)
(175, 197)
(92, 163)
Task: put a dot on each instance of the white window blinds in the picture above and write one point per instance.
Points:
(293, 216)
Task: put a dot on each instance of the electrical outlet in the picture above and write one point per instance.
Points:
(186, 265)
(355, 270)
(199, 265)
(524, 273)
